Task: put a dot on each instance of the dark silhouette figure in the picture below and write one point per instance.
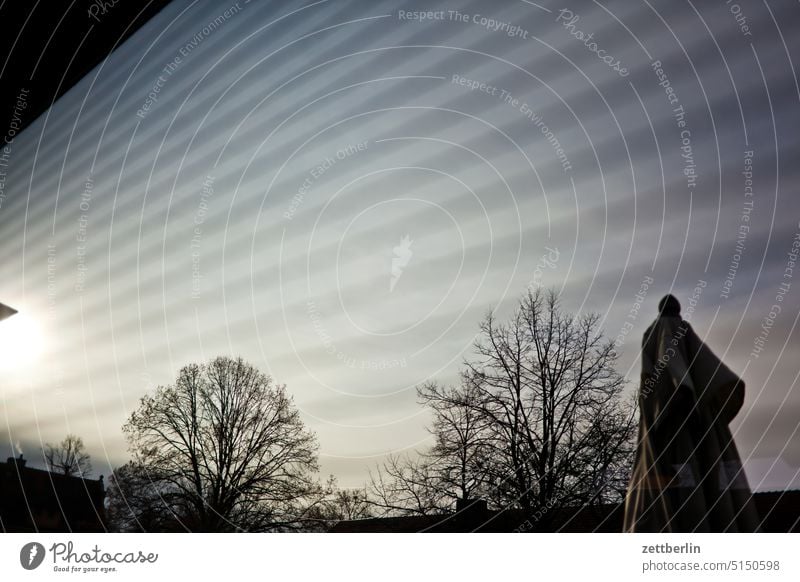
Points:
(687, 474)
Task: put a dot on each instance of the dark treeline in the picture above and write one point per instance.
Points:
(537, 421)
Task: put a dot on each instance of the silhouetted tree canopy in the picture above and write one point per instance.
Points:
(347, 504)
(339, 505)
(134, 502)
(407, 485)
(538, 421)
(221, 449)
(69, 457)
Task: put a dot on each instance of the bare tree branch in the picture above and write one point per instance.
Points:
(69, 457)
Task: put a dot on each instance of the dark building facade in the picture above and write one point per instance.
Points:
(33, 500)
(778, 511)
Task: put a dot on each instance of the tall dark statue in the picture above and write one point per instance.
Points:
(687, 476)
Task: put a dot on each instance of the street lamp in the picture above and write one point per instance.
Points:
(6, 311)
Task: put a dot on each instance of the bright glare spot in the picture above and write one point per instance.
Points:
(21, 342)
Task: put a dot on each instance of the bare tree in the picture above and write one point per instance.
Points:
(340, 505)
(407, 485)
(546, 385)
(538, 421)
(347, 504)
(463, 445)
(222, 449)
(135, 503)
(455, 467)
(69, 457)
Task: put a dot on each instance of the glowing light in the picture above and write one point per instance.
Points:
(21, 342)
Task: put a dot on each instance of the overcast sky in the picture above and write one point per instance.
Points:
(339, 192)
